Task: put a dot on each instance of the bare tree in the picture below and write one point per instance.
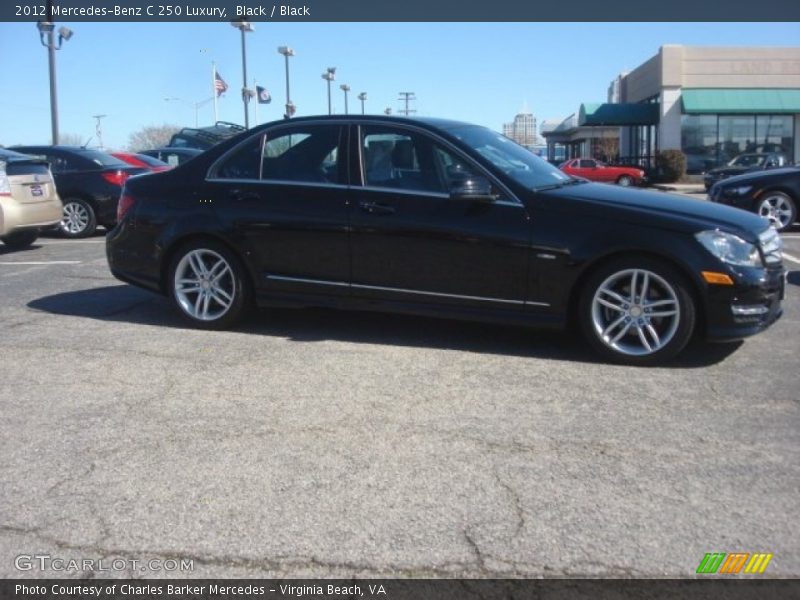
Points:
(152, 136)
(72, 139)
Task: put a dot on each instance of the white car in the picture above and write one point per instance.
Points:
(29, 201)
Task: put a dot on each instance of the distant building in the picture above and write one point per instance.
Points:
(523, 129)
(711, 103)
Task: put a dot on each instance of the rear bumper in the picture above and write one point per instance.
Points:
(16, 215)
(751, 306)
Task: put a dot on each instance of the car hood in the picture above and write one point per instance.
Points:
(761, 176)
(731, 170)
(656, 209)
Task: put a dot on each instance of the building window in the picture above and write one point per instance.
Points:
(709, 141)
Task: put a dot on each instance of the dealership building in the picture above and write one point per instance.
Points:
(711, 103)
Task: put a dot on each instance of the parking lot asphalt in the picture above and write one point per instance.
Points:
(313, 443)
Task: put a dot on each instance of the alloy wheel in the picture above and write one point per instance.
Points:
(204, 284)
(76, 218)
(625, 181)
(778, 208)
(635, 312)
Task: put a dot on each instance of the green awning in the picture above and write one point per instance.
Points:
(740, 101)
(618, 114)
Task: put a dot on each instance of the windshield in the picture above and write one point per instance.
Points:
(748, 160)
(520, 164)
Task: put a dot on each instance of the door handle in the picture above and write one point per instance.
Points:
(240, 195)
(374, 208)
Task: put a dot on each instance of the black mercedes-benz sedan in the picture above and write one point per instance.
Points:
(775, 195)
(441, 218)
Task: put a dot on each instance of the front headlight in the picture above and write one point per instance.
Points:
(730, 248)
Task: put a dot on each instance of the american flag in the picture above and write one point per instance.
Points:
(219, 84)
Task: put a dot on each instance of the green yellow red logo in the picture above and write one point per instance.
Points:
(733, 563)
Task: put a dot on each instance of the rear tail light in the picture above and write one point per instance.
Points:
(116, 177)
(126, 202)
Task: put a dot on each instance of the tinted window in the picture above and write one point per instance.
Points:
(398, 159)
(307, 153)
(588, 164)
(244, 163)
(101, 159)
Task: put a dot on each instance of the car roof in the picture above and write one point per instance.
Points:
(436, 122)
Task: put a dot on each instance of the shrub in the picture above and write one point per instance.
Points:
(671, 165)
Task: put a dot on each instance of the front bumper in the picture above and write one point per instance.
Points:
(749, 307)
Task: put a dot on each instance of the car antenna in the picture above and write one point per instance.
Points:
(87, 142)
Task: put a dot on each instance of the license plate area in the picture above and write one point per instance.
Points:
(37, 191)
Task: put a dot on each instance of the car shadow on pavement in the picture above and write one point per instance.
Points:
(793, 277)
(124, 303)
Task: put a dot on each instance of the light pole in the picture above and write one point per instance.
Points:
(195, 105)
(47, 38)
(329, 75)
(345, 88)
(244, 27)
(387, 110)
(363, 97)
(287, 52)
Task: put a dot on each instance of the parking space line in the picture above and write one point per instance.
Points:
(41, 262)
(794, 259)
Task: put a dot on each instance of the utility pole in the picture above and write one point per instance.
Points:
(406, 97)
(98, 128)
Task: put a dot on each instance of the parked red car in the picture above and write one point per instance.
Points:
(142, 160)
(594, 170)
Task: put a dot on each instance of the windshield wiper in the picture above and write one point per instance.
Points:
(555, 186)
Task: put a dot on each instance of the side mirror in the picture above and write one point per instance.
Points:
(474, 188)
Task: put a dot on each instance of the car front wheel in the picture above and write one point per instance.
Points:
(778, 208)
(625, 181)
(208, 285)
(637, 311)
(79, 218)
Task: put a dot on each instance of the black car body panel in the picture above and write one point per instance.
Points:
(519, 258)
(785, 180)
(77, 175)
(173, 156)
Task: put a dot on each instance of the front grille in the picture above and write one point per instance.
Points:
(771, 246)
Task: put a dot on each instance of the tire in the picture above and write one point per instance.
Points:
(208, 285)
(625, 181)
(79, 219)
(18, 240)
(779, 208)
(626, 330)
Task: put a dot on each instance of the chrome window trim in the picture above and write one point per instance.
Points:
(512, 198)
(404, 291)
(316, 184)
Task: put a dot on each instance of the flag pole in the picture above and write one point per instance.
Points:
(214, 88)
(255, 108)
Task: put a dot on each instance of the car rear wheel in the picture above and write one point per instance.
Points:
(637, 311)
(20, 239)
(778, 208)
(625, 181)
(208, 285)
(79, 218)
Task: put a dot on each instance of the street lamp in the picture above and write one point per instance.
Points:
(363, 97)
(287, 52)
(47, 38)
(244, 27)
(195, 105)
(329, 75)
(345, 88)
(387, 110)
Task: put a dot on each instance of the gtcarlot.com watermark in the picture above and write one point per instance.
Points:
(47, 562)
